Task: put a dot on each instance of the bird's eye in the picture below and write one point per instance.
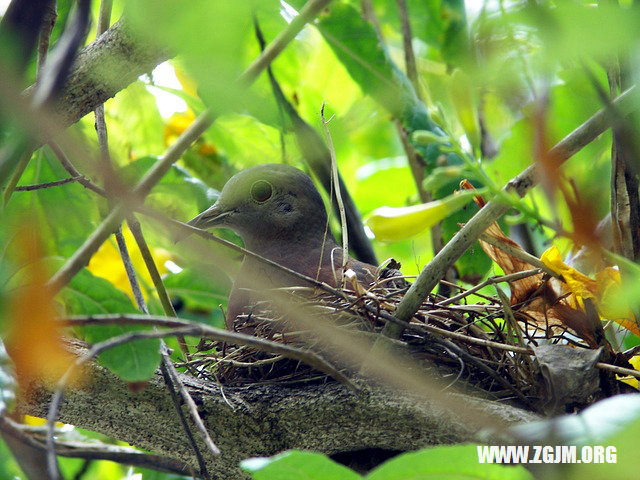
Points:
(261, 191)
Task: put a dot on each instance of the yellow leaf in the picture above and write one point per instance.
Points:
(107, 263)
(189, 85)
(577, 282)
(390, 224)
(178, 123)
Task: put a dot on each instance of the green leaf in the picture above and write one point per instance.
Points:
(178, 194)
(298, 465)
(63, 215)
(593, 425)
(458, 462)
(135, 126)
(87, 294)
(216, 57)
(198, 291)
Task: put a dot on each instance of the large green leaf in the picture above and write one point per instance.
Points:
(357, 46)
(178, 194)
(216, 56)
(87, 294)
(298, 465)
(200, 292)
(64, 215)
(458, 462)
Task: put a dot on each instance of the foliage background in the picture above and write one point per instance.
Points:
(519, 54)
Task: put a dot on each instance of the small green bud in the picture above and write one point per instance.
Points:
(425, 137)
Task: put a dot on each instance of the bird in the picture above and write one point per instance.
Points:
(280, 215)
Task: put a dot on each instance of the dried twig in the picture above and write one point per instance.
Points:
(338, 193)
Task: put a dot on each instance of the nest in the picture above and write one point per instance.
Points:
(479, 346)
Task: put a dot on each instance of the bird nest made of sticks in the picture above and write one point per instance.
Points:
(486, 345)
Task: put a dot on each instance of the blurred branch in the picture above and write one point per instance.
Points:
(20, 25)
(520, 185)
(48, 22)
(52, 75)
(409, 57)
(55, 71)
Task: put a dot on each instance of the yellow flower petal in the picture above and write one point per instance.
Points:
(635, 361)
(604, 290)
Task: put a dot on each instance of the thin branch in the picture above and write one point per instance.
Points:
(409, 57)
(489, 281)
(518, 253)
(130, 271)
(81, 257)
(71, 170)
(42, 186)
(149, 262)
(171, 373)
(195, 329)
(167, 367)
(521, 184)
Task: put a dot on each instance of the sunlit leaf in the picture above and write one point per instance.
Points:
(86, 295)
(298, 464)
(459, 462)
(32, 327)
(391, 224)
(107, 263)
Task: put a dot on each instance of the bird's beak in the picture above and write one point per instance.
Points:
(211, 217)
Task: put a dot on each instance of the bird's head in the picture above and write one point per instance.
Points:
(267, 203)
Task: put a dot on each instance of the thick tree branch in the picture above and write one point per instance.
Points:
(103, 68)
(264, 419)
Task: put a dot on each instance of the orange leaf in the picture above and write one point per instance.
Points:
(33, 335)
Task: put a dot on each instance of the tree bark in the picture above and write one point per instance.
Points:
(262, 420)
(103, 68)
